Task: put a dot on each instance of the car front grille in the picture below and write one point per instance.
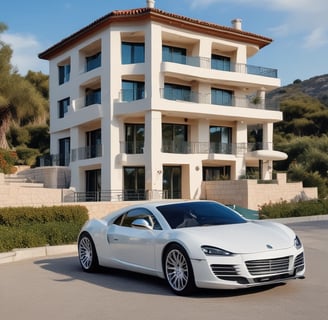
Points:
(299, 262)
(268, 266)
(224, 270)
(228, 272)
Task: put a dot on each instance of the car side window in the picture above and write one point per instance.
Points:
(139, 213)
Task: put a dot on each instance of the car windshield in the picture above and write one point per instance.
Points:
(182, 215)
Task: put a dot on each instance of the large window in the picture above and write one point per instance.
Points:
(220, 62)
(175, 138)
(172, 182)
(221, 139)
(92, 96)
(63, 107)
(93, 185)
(93, 61)
(93, 143)
(133, 52)
(134, 138)
(134, 183)
(64, 72)
(132, 90)
(221, 97)
(216, 173)
(177, 92)
(64, 151)
(174, 54)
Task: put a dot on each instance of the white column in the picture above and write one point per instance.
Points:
(152, 151)
(241, 148)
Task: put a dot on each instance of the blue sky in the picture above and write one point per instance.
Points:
(299, 28)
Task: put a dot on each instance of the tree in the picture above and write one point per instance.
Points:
(20, 101)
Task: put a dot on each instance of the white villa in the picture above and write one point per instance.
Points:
(147, 104)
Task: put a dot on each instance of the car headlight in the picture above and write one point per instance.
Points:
(297, 243)
(213, 251)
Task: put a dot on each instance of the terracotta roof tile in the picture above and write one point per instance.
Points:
(155, 13)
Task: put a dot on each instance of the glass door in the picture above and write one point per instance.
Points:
(172, 182)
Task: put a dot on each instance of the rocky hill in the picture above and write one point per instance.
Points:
(316, 87)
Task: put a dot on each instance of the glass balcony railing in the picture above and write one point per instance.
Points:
(88, 152)
(209, 63)
(234, 101)
(187, 147)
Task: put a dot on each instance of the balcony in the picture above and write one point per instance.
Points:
(128, 95)
(235, 101)
(187, 147)
(86, 101)
(88, 152)
(208, 63)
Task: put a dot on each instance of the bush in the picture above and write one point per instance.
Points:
(7, 161)
(27, 155)
(26, 227)
(293, 209)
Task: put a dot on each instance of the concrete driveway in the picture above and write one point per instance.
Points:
(56, 288)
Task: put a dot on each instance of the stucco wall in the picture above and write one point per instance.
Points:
(245, 193)
(251, 194)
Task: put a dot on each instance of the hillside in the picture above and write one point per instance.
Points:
(316, 87)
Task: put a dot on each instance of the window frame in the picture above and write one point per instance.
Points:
(132, 52)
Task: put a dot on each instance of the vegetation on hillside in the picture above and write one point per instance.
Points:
(24, 111)
(303, 133)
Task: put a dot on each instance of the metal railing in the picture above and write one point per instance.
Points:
(184, 147)
(120, 195)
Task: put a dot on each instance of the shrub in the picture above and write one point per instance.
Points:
(7, 161)
(27, 155)
(26, 227)
(293, 209)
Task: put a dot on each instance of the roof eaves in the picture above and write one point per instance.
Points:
(159, 15)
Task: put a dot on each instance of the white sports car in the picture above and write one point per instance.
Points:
(192, 244)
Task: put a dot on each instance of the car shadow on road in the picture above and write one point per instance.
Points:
(68, 269)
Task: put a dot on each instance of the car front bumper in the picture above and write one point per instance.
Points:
(249, 270)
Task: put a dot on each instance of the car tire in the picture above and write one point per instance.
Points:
(87, 253)
(178, 270)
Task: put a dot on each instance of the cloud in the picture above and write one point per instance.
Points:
(306, 18)
(316, 39)
(25, 52)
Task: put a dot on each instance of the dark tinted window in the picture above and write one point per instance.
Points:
(200, 213)
(139, 213)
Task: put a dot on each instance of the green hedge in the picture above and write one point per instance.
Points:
(293, 209)
(26, 227)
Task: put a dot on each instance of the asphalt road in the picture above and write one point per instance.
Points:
(56, 288)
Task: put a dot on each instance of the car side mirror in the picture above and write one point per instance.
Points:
(141, 224)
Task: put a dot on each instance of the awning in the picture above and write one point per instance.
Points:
(266, 155)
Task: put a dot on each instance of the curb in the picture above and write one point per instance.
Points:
(38, 252)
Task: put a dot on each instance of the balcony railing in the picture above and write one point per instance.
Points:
(187, 147)
(127, 95)
(88, 152)
(235, 101)
(54, 160)
(132, 147)
(209, 63)
(86, 101)
(120, 195)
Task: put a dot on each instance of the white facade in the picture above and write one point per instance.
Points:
(148, 104)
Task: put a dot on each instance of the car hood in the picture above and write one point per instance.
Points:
(249, 237)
